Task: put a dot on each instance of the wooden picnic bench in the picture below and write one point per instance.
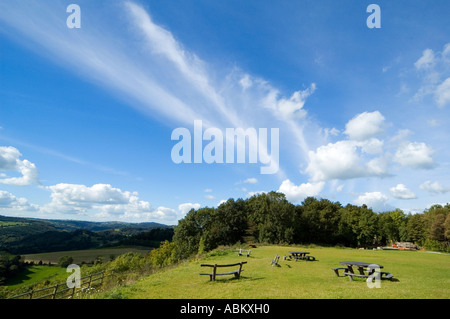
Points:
(241, 250)
(301, 255)
(212, 276)
(274, 262)
(364, 270)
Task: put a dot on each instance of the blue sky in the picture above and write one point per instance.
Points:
(87, 114)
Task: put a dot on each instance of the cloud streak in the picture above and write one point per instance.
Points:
(432, 67)
(156, 74)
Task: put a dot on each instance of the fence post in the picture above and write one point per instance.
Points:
(214, 272)
(101, 278)
(54, 292)
(240, 269)
(55, 287)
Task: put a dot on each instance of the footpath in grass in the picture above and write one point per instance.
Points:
(417, 275)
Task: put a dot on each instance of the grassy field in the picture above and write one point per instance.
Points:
(417, 275)
(11, 224)
(87, 256)
(37, 274)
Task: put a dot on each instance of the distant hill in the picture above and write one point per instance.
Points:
(31, 235)
(67, 224)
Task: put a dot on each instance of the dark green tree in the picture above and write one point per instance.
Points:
(274, 217)
(415, 228)
(190, 229)
(228, 224)
(65, 261)
(10, 265)
(393, 226)
(320, 220)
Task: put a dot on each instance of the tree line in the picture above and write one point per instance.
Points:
(271, 218)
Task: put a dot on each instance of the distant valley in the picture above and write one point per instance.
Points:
(30, 235)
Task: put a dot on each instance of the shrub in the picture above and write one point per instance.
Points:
(164, 255)
(127, 262)
(65, 261)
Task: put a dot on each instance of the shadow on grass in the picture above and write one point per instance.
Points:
(20, 278)
(234, 279)
(357, 279)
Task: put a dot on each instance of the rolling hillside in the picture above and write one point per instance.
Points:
(29, 235)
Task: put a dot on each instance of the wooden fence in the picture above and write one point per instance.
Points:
(62, 291)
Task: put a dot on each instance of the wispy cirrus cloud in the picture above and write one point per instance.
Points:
(155, 73)
(91, 53)
(434, 70)
(66, 157)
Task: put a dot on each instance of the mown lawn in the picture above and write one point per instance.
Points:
(419, 275)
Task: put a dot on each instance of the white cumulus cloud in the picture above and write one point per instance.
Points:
(353, 157)
(10, 162)
(415, 155)
(293, 107)
(342, 160)
(434, 187)
(104, 201)
(365, 125)
(296, 193)
(377, 201)
(10, 202)
(186, 207)
(402, 192)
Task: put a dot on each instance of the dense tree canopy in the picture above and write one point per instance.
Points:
(9, 266)
(270, 218)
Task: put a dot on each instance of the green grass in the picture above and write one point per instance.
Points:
(43, 275)
(419, 275)
(80, 256)
(37, 274)
(12, 224)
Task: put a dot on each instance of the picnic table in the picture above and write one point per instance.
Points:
(300, 255)
(214, 273)
(361, 266)
(365, 270)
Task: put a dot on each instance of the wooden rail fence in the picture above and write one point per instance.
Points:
(62, 291)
